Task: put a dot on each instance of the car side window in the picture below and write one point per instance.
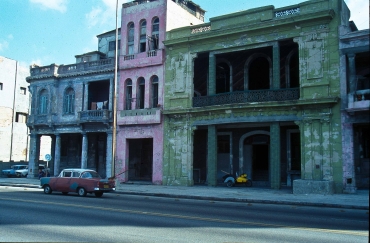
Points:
(67, 174)
(76, 174)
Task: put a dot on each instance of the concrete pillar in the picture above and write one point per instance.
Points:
(352, 72)
(212, 74)
(34, 154)
(58, 146)
(275, 66)
(86, 97)
(212, 156)
(84, 151)
(275, 166)
(109, 161)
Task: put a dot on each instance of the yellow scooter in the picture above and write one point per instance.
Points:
(230, 180)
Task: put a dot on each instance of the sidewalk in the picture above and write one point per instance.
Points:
(360, 200)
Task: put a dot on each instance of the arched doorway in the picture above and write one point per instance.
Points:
(254, 156)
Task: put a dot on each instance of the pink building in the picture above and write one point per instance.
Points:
(140, 90)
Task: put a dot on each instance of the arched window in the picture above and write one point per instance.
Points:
(292, 69)
(130, 38)
(128, 94)
(154, 41)
(223, 76)
(69, 101)
(43, 101)
(142, 47)
(154, 92)
(140, 99)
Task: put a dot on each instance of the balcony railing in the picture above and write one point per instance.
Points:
(247, 96)
(359, 100)
(72, 68)
(86, 66)
(94, 115)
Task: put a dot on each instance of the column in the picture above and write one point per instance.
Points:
(275, 66)
(212, 74)
(109, 161)
(58, 145)
(34, 153)
(84, 151)
(352, 72)
(212, 156)
(86, 97)
(275, 156)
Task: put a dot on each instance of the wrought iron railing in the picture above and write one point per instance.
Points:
(247, 96)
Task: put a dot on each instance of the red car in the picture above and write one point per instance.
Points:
(82, 181)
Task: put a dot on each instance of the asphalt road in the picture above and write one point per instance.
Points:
(30, 215)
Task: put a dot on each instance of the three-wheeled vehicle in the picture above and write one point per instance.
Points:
(231, 180)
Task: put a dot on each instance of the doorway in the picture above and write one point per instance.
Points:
(140, 159)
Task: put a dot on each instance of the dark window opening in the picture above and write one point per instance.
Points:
(68, 101)
(20, 117)
(222, 78)
(130, 38)
(141, 94)
(155, 92)
(99, 95)
(112, 45)
(1, 86)
(142, 47)
(128, 94)
(154, 39)
(201, 66)
(223, 144)
(23, 91)
(43, 102)
(259, 74)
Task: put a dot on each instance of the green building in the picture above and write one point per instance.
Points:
(257, 91)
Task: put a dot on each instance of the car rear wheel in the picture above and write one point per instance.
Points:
(81, 192)
(248, 183)
(47, 189)
(98, 194)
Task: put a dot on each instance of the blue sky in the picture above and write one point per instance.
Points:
(54, 31)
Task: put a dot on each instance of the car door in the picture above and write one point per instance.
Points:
(62, 183)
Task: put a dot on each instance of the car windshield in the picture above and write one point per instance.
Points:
(90, 174)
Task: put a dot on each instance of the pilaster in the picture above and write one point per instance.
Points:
(275, 167)
(212, 156)
(84, 151)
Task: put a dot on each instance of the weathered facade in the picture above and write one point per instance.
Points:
(140, 97)
(14, 104)
(257, 91)
(73, 105)
(355, 105)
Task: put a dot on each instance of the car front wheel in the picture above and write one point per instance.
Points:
(81, 192)
(47, 189)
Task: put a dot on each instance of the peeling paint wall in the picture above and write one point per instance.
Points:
(317, 112)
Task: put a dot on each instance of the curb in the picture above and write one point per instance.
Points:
(261, 201)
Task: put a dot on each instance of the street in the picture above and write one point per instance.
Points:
(30, 215)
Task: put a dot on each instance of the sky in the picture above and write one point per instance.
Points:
(43, 32)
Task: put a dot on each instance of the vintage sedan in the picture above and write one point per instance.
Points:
(16, 170)
(81, 181)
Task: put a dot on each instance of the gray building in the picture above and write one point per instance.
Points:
(73, 105)
(355, 106)
(14, 104)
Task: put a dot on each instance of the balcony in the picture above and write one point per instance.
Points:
(359, 101)
(143, 59)
(87, 66)
(142, 116)
(247, 96)
(94, 116)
